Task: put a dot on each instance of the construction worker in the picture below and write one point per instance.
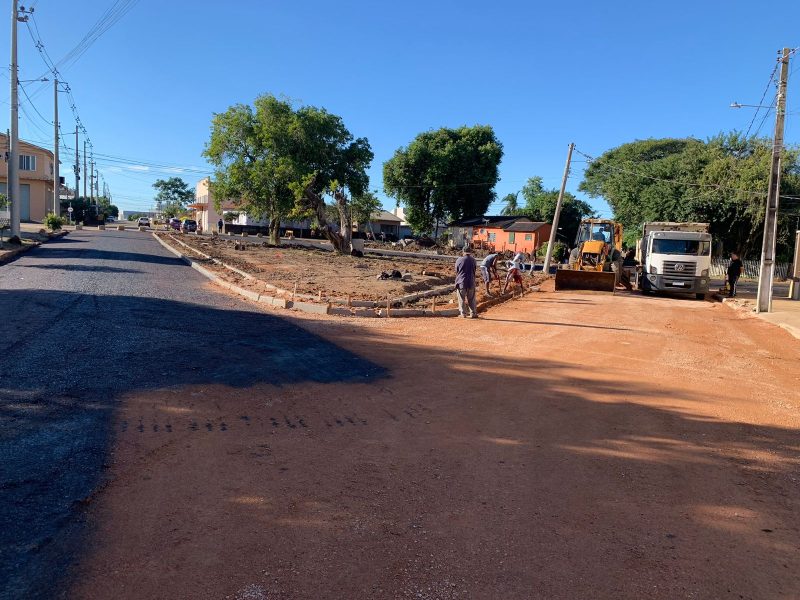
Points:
(465, 284)
(489, 268)
(514, 274)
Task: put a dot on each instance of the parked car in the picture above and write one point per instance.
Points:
(188, 225)
(144, 222)
(174, 223)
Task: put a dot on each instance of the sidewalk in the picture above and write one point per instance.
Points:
(785, 313)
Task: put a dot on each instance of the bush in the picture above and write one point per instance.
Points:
(53, 222)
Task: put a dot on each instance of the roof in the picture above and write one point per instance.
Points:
(524, 227)
(494, 221)
(21, 141)
(385, 215)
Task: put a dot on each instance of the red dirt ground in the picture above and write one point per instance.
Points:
(563, 446)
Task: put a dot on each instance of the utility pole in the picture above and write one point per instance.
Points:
(84, 171)
(77, 167)
(13, 139)
(91, 181)
(548, 257)
(767, 270)
(56, 176)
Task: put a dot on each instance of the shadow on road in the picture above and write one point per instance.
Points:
(52, 253)
(79, 267)
(66, 359)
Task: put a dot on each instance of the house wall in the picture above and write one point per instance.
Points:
(40, 181)
(206, 217)
(515, 241)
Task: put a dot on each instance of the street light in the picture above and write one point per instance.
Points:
(738, 105)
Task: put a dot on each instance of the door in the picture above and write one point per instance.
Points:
(25, 204)
(25, 197)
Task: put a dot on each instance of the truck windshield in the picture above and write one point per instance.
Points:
(690, 247)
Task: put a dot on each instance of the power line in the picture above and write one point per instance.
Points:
(761, 102)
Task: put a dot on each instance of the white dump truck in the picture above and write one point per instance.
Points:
(675, 257)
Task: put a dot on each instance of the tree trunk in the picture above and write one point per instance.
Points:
(317, 203)
(345, 222)
(275, 231)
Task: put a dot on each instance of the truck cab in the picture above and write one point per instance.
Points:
(676, 261)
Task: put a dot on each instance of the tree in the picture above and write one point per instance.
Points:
(173, 195)
(722, 181)
(363, 207)
(511, 202)
(273, 160)
(445, 174)
(328, 162)
(250, 149)
(540, 205)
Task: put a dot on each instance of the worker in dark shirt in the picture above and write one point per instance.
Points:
(465, 284)
(734, 272)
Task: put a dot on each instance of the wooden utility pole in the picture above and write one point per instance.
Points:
(767, 270)
(548, 257)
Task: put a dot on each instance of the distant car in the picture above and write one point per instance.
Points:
(144, 222)
(188, 225)
(174, 223)
(109, 219)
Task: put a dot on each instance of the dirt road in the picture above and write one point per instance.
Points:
(565, 446)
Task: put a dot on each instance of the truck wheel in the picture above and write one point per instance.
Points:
(700, 296)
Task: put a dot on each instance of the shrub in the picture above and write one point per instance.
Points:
(53, 222)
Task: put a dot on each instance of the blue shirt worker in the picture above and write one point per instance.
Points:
(465, 284)
(489, 268)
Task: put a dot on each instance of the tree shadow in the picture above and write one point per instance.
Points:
(514, 476)
(50, 252)
(524, 478)
(64, 364)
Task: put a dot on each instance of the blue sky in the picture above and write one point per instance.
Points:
(542, 74)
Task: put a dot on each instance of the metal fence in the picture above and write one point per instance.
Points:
(719, 269)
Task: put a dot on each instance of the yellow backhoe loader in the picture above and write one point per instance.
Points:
(589, 264)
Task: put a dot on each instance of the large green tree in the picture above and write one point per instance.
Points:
(252, 149)
(328, 162)
(722, 181)
(445, 174)
(172, 195)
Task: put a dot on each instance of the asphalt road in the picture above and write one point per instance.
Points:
(85, 320)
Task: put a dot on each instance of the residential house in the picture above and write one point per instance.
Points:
(381, 222)
(500, 232)
(206, 213)
(405, 228)
(35, 180)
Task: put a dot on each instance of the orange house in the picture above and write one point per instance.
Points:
(515, 234)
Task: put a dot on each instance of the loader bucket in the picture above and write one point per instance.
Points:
(600, 281)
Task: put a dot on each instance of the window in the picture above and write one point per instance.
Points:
(685, 247)
(528, 237)
(491, 237)
(511, 237)
(27, 162)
